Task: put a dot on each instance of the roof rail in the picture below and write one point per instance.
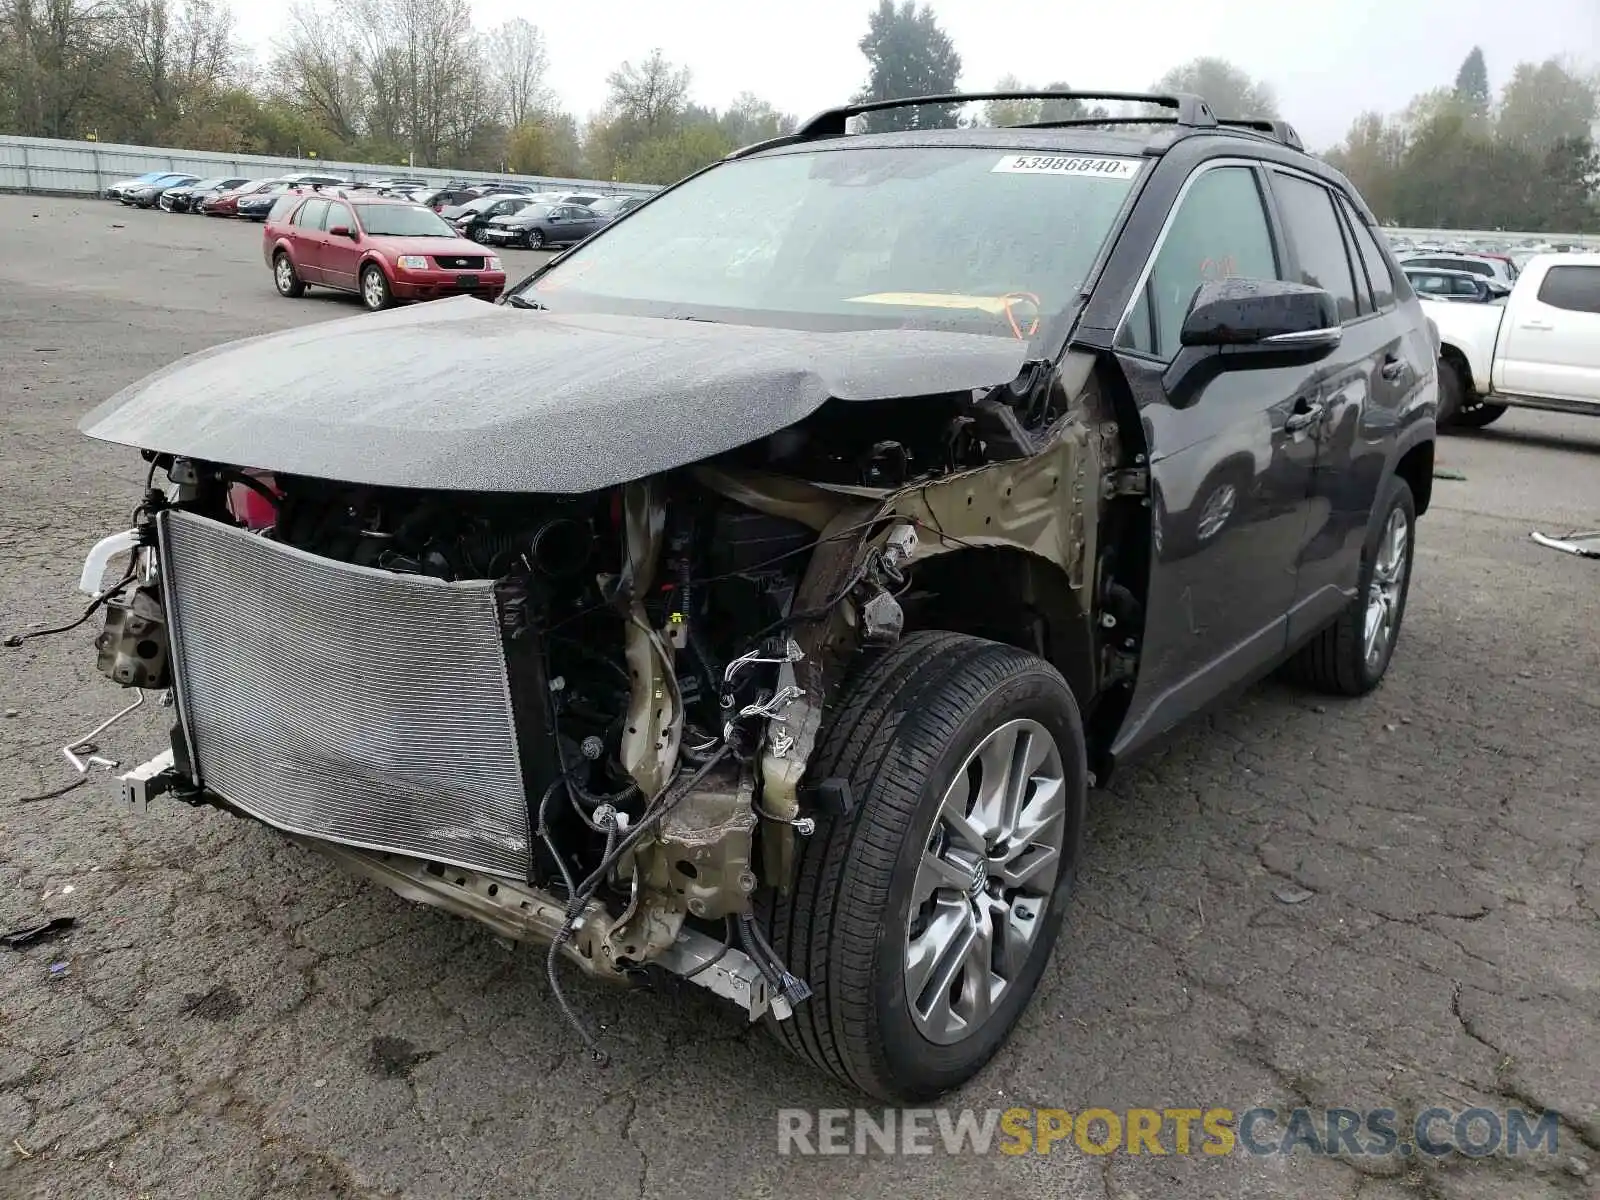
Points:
(1278, 131)
(1189, 110)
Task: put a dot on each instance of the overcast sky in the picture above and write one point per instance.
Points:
(1327, 61)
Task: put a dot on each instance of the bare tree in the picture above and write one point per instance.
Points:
(316, 67)
(517, 62)
(176, 52)
(423, 69)
(650, 95)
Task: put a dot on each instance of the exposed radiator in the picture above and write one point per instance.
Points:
(344, 702)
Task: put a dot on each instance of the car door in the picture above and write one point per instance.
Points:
(571, 227)
(341, 253)
(306, 238)
(587, 221)
(1230, 475)
(1552, 348)
(1379, 368)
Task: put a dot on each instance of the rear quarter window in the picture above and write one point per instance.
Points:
(1379, 276)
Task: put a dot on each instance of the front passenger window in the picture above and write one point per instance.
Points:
(1219, 231)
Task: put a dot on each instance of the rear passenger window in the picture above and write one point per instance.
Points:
(1219, 231)
(1576, 289)
(310, 216)
(1314, 230)
(1372, 257)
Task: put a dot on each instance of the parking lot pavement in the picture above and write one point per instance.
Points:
(1387, 903)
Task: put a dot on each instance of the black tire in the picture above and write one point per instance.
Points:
(285, 278)
(904, 726)
(534, 239)
(375, 292)
(1335, 661)
(1479, 415)
(1450, 393)
(1459, 406)
(476, 234)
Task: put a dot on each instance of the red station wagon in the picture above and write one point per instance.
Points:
(382, 250)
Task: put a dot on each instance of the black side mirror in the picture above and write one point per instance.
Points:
(1245, 324)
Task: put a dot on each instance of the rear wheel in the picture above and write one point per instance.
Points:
(1350, 656)
(284, 275)
(375, 293)
(1459, 406)
(924, 919)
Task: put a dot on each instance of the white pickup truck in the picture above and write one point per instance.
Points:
(1539, 349)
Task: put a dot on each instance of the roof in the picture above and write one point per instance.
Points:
(1570, 258)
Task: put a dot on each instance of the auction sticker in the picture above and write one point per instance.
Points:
(1068, 164)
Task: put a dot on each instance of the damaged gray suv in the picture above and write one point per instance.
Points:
(755, 599)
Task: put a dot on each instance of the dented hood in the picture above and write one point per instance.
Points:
(460, 394)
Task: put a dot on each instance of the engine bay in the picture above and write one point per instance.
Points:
(668, 648)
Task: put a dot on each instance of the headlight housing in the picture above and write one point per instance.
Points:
(412, 262)
(492, 263)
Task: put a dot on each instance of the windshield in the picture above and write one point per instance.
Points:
(980, 240)
(402, 220)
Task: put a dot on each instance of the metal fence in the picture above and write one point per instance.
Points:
(1495, 237)
(87, 168)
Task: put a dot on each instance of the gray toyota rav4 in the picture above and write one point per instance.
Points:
(756, 599)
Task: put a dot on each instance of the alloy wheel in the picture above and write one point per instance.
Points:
(372, 289)
(987, 874)
(1387, 589)
(1217, 512)
(283, 274)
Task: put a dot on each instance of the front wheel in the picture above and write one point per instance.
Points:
(1350, 656)
(923, 919)
(375, 293)
(283, 274)
(534, 239)
(477, 235)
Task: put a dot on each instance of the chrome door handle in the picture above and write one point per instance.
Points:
(1304, 416)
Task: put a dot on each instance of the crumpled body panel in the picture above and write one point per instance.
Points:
(468, 396)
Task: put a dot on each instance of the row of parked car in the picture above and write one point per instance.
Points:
(524, 217)
(1462, 277)
(490, 212)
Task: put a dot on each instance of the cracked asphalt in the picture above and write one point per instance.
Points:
(232, 1018)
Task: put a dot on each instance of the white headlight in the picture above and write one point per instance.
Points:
(492, 263)
(412, 262)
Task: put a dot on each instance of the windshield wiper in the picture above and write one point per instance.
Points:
(520, 301)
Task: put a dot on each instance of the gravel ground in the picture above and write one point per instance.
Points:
(237, 1019)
